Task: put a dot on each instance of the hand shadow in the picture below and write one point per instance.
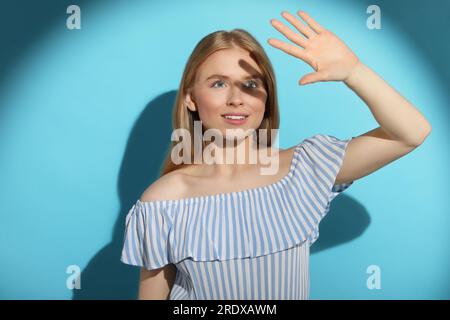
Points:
(105, 277)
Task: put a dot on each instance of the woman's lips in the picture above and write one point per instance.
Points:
(235, 121)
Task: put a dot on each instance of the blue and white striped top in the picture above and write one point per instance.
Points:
(251, 244)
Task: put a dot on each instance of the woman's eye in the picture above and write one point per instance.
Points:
(255, 85)
(214, 84)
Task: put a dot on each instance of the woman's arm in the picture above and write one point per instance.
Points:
(156, 284)
(402, 127)
(398, 117)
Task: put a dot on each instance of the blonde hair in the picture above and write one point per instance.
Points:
(183, 118)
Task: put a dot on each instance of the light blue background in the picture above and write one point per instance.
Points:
(84, 125)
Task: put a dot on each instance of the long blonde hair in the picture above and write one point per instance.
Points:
(183, 118)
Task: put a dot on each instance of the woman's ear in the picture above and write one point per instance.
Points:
(189, 102)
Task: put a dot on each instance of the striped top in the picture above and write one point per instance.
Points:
(251, 244)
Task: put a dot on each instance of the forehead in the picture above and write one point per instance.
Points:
(234, 63)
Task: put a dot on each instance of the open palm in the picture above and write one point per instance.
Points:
(328, 55)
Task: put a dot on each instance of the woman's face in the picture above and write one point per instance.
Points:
(229, 82)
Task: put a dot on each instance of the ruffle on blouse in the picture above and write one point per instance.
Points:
(322, 157)
(243, 224)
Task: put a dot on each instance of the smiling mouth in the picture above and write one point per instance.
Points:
(235, 117)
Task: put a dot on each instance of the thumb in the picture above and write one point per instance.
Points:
(313, 77)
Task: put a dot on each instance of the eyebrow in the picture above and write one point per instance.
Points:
(252, 76)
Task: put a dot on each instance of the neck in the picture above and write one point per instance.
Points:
(232, 156)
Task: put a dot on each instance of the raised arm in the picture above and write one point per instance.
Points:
(401, 126)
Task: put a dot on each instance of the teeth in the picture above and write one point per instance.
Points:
(235, 117)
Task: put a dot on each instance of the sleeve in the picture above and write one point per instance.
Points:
(325, 153)
(146, 240)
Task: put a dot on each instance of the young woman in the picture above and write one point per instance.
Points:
(225, 231)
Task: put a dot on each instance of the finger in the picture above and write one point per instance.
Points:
(288, 33)
(305, 30)
(311, 22)
(313, 77)
(290, 49)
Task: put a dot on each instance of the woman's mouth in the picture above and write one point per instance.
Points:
(236, 119)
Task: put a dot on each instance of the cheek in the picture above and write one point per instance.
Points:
(206, 97)
(258, 107)
(209, 105)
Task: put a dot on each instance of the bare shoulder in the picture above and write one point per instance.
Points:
(287, 154)
(168, 187)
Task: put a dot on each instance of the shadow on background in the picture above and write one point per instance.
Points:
(24, 24)
(346, 220)
(105, 277)
(424, 24)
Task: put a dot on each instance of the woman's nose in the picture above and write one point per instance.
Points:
(235, 97)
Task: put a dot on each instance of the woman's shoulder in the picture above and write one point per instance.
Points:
(169, 186)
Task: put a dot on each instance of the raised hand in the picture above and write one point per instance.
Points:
(328, 55)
